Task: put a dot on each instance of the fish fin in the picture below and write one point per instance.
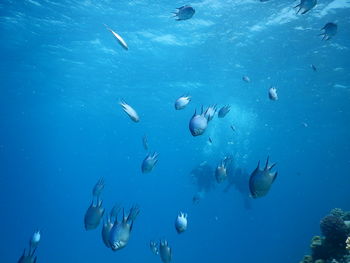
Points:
(305, 11)
(273, 165)
(181, 7)
(258, 166)
(267, 163)
(274, 176)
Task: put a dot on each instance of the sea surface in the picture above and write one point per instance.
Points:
(62, 75)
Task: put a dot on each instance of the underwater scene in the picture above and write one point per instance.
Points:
(170, 131)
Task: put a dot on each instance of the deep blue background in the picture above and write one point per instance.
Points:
(61, 128)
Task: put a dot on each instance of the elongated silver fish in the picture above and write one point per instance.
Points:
(120, 40)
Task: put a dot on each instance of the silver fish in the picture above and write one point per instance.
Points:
(198, 123)
(120, 40)
(182, 102)
(129, 111)
(273, 93)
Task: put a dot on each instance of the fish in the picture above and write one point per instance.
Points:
(260, 181)
(145, 142)
(154, 247)
(93, 215)
(305, 6)
(246, 79)
(165, 251)
(184, 12)
(313, 67)
(233, 128)
(181, 223)
(129, 111)
(273, 93)
(149, 162)
(99, 186)
(120, 40)
(223, 111)
(210, 141)
(330, 30)
(120, 233)
(182, 102)
(198, 123)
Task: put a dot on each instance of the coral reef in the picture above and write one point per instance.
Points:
(334, 229)
(334, 244)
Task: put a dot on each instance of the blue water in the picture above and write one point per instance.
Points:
(62, 75)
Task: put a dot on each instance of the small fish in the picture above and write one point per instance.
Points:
(233, 128)
(246, 79)
(260, 181)
(182, 102)
(223, 111)
(330, 30)
(313, 67)
(184, 12)
(305, 6)
(181, 223)
(273, 93)
(145, 142)
(149, 162)
(198, 123)
(210, 141)
(154, 247)
(129, 111)
(165, 251)
(118, 37)
(35, 240)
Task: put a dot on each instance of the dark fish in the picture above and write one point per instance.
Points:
(210, 141)
(97, 190)
(330, 30)
(165, 251)
(184, 12)
(305, 6)
(313, 67)
(246, 79)
(223, 111)
(93, 215)
(261, 180)
(149, 162)
(233, 128)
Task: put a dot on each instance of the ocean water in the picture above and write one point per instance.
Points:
(62, 76)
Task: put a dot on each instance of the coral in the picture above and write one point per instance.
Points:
(334, 229)
(337, 212)
(320, 261)
(307, 259)
(346, 216)
(316, 242)
(348, 243)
